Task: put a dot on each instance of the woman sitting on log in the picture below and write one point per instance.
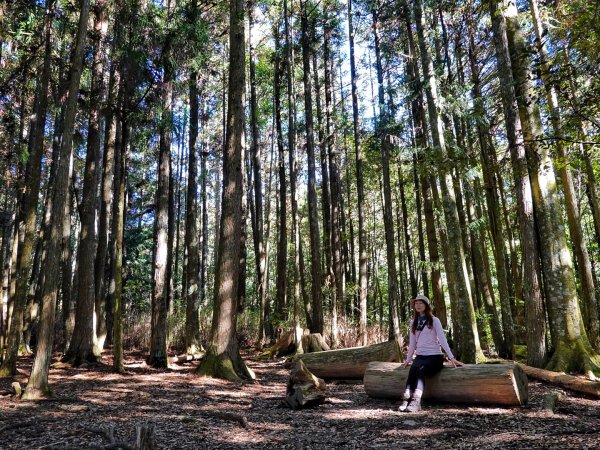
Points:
(426, 336)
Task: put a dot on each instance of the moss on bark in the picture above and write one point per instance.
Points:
(575, 356)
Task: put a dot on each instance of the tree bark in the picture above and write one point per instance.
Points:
(313, 216)
(82, 347)
(191, 243)
(282, 240)
(29, 204)
(222, 358)
(532, 294)
(579, 247)
(334, 182)
(163, 225)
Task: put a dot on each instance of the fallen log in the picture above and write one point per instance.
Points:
(348, 363)
(304, 390)
(571, 382)
(494, 384)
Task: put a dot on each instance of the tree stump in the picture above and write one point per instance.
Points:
(17, 388)
(286, 344)
(551, 402)
(348, 363)
(314, 342)
(304, 390)
(493, 384)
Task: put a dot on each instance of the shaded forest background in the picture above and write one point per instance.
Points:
(181, 175)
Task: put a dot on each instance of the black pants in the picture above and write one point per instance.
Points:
(423, 366)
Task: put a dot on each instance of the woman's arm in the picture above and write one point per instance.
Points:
(437, 325)
(439, 331)
(412, 343)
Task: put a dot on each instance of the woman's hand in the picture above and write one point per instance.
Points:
(456, 363)
(405, 364)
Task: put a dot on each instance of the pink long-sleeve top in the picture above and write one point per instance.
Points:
(427, 342)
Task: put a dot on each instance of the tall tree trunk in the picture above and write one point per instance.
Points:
(334, 182)
(81, 348)
(388, 218)
(313, 216)
(282, 240)
(37, 386)
(584, 266)
(258, 223)
(29, 203)
(489, 169)
(469, 349)
(67, 276)
(120, 177)
(360, 190)
(573, 351)
(407, 240)
(421, 133)
(222, 358)
(106, 204)
(191, 243)
(325, 178)
(532, 294)
(163, 225)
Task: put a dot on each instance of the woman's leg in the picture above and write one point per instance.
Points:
(426, 366)
(411, 383)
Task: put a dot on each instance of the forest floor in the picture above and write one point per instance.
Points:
(189, 412)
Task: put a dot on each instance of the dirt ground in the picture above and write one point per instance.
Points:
(188, 412)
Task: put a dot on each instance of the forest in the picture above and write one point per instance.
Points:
(200, 183)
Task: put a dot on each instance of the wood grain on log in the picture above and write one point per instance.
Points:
(576, 384)
(495, 384)
(348, 363)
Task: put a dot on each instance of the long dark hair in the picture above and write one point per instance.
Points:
(428, 317)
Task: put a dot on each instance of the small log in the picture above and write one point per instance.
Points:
(348, 363)
(551, 401)
(314, 342)
(562, 379)
(493, 384)
(304, 390)
(187, 358)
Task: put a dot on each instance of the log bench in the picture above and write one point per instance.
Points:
(491, 384)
